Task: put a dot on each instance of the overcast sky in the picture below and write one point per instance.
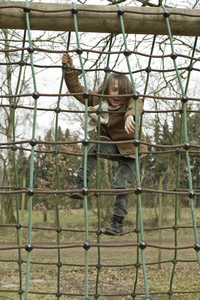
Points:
(172, 3)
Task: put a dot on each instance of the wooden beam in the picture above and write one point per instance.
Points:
(99, 18)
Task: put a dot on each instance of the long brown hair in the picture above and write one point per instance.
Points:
(125, 86)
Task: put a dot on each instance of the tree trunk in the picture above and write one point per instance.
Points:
(8, 200)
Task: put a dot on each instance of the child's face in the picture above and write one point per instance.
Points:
(113, 90)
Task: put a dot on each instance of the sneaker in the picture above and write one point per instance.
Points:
(115, 227)
(79, 185)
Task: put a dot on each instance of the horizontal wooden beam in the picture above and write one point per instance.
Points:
(99, 18)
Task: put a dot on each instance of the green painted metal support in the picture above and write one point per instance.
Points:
(183, 128)
(15, 168)
(79, 52)
(32, 153)
(126, 52)
(98, 168)
(58, 229)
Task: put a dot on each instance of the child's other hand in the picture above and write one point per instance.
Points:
(129, 124)
(66, 59)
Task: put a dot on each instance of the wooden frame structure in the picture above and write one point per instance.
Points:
(99, 18)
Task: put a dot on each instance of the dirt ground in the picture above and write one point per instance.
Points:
(117, 276)
(113, 283)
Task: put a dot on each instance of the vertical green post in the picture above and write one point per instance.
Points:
(98, 167)
(33, 142)
(135, 97)
(85, 144)
(191, 193)
(19, 229)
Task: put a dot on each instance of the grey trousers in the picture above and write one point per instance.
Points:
(123, 175)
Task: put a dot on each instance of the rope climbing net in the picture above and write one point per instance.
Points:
(183, 148)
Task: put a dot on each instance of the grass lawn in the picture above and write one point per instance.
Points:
(117, 275)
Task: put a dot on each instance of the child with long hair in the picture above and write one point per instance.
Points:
(118, 126)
